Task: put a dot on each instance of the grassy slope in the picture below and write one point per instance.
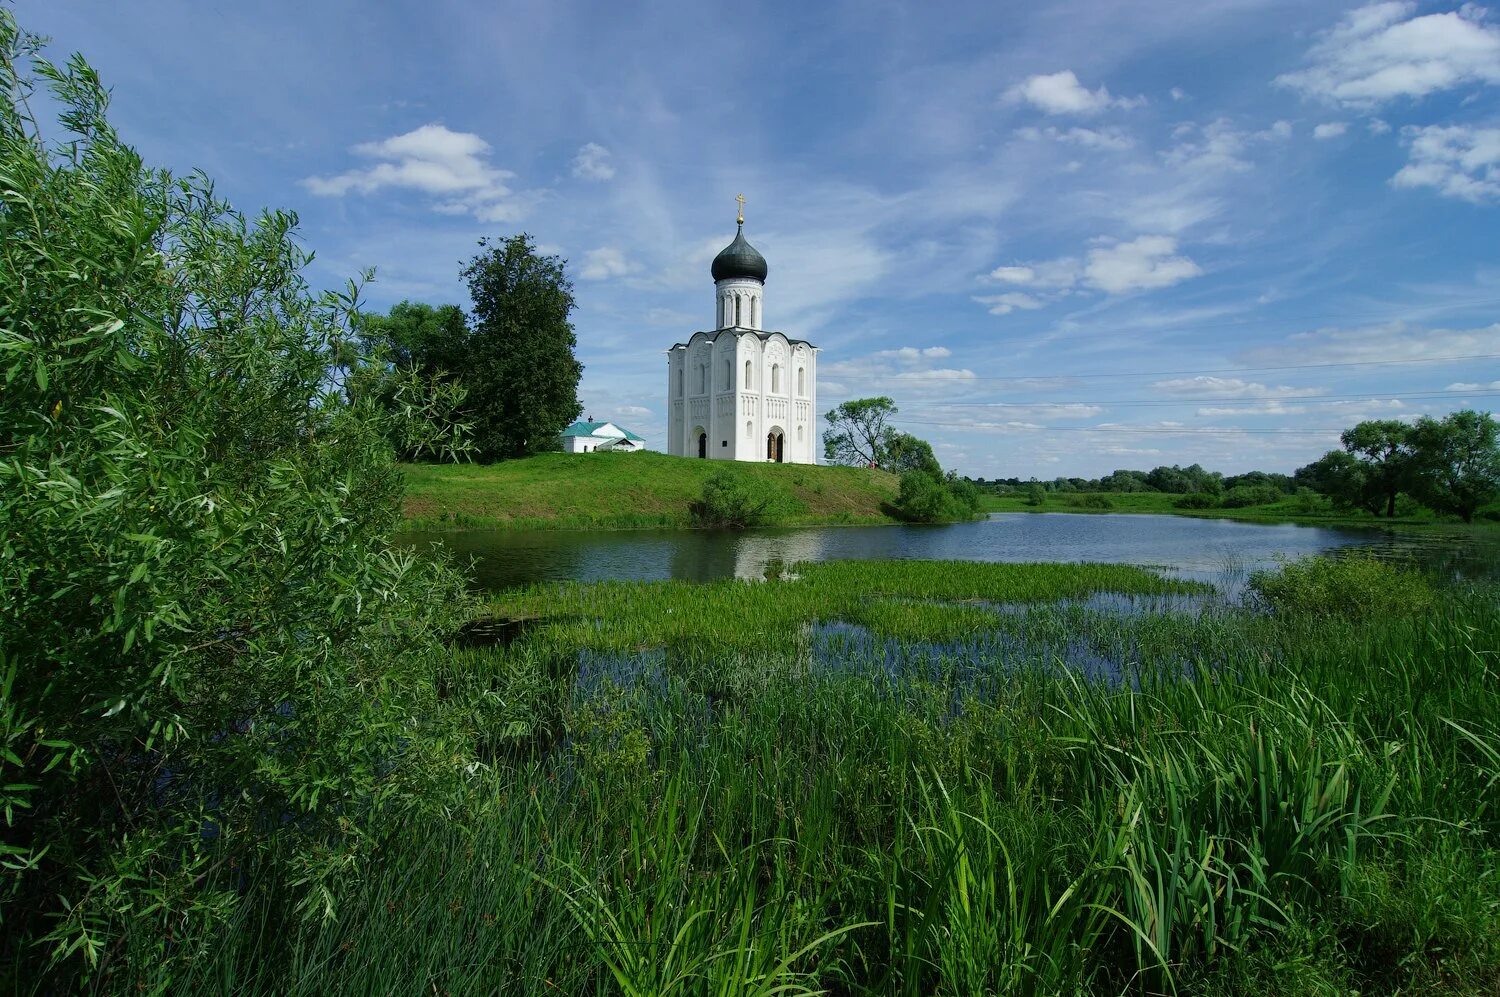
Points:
(621, 491)
(1290, 511)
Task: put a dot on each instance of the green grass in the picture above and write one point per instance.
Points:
(628, 491)
(1292, 509)
(927, 778)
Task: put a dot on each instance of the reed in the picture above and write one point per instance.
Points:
(950, 779)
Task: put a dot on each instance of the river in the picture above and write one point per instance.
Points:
(1213, 550)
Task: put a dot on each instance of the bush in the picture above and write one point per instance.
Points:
(732, 501)
(1354, 586)
(1241, 496)
(211, 654)
(1090, 502)
(925, 498)
(1036, 495)
(1197, 500)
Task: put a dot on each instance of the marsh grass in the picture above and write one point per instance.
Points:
(902, 778)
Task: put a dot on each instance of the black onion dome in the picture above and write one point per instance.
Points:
(739, 259)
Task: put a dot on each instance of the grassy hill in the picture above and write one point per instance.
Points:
(624, 491)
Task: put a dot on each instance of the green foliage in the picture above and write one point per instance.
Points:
(1036, 495)
(733, 501)
(928, 498)
(904, 452)
(520, 369)
(1196, 500)
(1098, 502)
(1354, 586)
(213, 656)
(1241, 496)
(857, 433)
(1456, 462)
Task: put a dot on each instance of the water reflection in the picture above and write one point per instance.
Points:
(1211, 550)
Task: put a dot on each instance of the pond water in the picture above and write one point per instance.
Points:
(1212, 550)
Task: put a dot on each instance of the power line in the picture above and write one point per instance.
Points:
(1288, 399)
(907, 377)
(1128, 430)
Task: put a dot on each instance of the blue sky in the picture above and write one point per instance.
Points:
(1065, 237)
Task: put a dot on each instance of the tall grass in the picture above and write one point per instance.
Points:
(711, 790)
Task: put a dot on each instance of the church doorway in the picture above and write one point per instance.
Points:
(775, 445)
(702, 443)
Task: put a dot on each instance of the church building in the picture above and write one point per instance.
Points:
(738, 392)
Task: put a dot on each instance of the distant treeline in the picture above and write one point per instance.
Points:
(1450, 466)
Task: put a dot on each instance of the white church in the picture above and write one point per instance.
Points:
(739, 392)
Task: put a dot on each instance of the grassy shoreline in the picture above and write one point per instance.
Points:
(628, 491)
(1291, 510)
(933, 777)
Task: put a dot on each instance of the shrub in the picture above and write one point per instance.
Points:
(1353, 586)
(1197, 500)
(925, 498)
(211, 654)
(1090, 502)
(1036, 495)
(732, 501)
(1241, 496)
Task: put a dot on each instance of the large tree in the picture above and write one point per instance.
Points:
(1456, 462)
(1383, 446)
(521, 371)
(427, 338)
(858, 433)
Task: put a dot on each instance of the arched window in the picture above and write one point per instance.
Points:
(801, 381)
(749, 429)
(679, 383)
(775, 378)
(748, 373)
(726, 375)
(702, 378)
(737, 302)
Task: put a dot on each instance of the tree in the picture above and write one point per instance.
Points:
(1383, 446)
(417, 336)
(1343, 478)
(1456, 462)
(857, 433)
(212, 657)
(521, 373)
(905, 452)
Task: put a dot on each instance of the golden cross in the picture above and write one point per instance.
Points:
(741, 199)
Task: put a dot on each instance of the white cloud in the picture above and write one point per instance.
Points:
(1047, 275)
(434, 160)
(1004, 304)
(1218, 146)
(606, 262)
(1331, 129)
(1112, 139)
(1147, 262)
(1472, 386)
(1391, 341)
(1380, 52)
(1177, 93)
(913, 354)
(1455, 160)
(1377, 126)
(633, 411)
(1061, 93)
(1204, 386)
(593, 162)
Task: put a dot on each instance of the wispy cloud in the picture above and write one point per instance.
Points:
(1062, 93)
(593, 162)
(1456, 160)
(1381, 52)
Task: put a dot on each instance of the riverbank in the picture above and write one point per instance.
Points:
(628, 491)
(1293, 509)
(915, 777)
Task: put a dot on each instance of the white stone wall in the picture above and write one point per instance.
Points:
(736, 388)
(737, 303)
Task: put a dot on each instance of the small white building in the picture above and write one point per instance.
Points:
(588, 437)
(738, 392)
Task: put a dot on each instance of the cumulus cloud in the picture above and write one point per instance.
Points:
(1331, 129)
(914, 354)
(434, 160)
(1145, 263)
(606, 262)
(1204, 386)
(1114, 267)
(1455, 160)
(593, 162)
(1381, 52)
(1219, 146)
(1062, 93)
